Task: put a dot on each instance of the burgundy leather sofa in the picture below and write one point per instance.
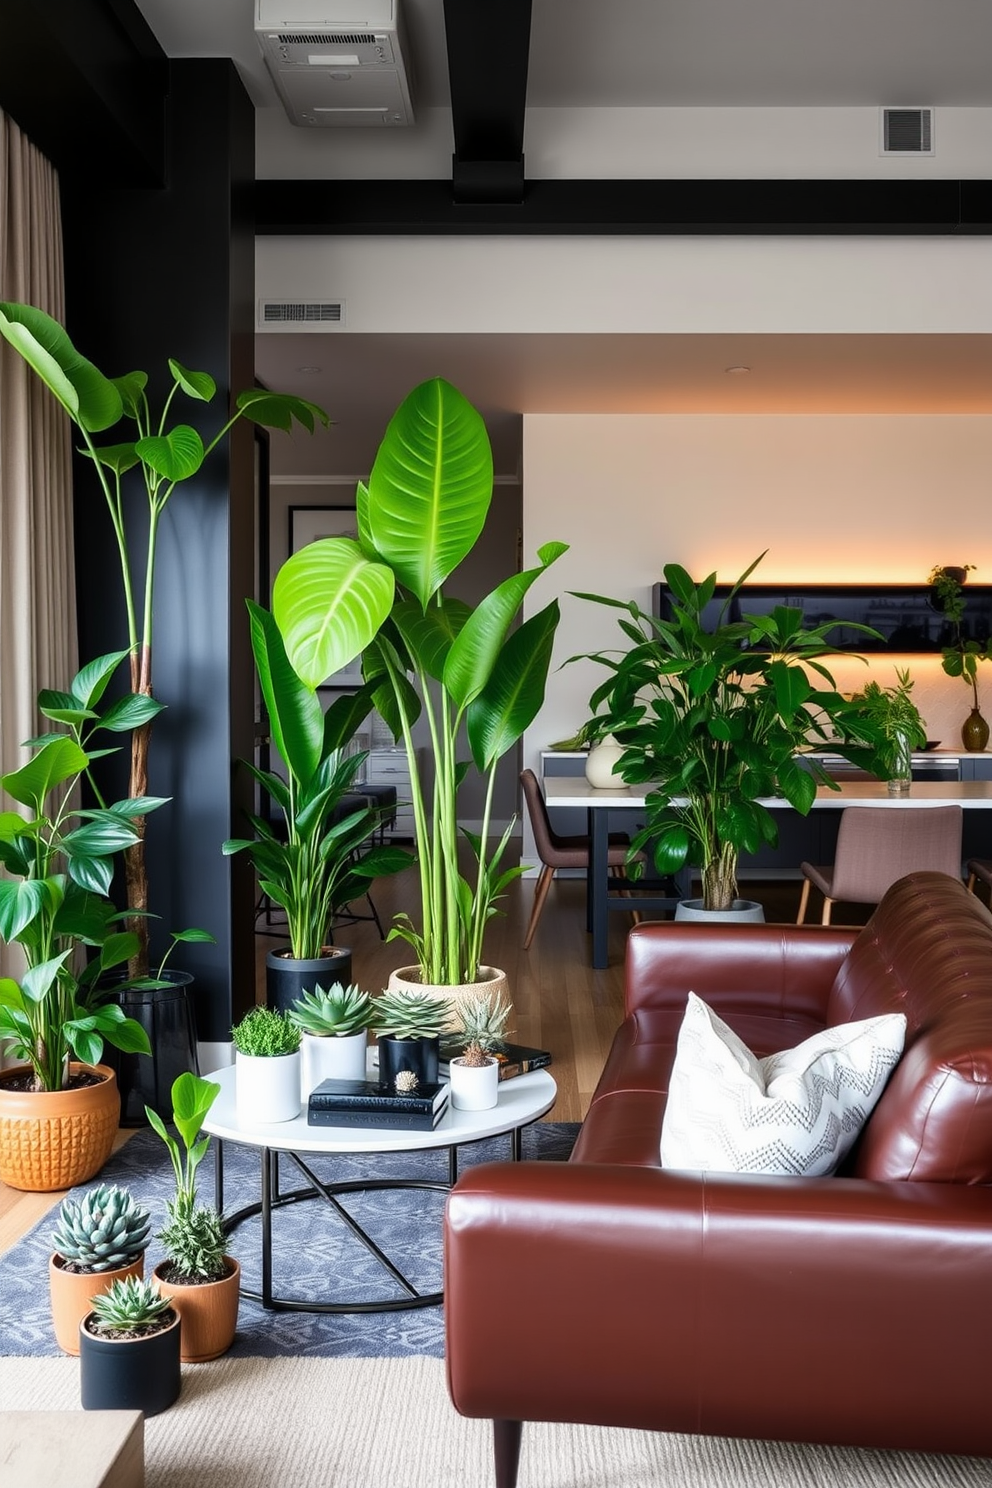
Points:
(854, 1309)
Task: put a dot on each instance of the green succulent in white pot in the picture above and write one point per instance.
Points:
(383, 597)
(333, 1028)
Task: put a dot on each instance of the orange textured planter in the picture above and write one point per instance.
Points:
(55, 1139)
(209, 1312)
(72, 1294)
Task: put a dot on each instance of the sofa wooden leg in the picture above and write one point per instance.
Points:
(506, 1451)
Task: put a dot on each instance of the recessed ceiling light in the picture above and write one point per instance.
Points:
(309, 369)
(737, 371)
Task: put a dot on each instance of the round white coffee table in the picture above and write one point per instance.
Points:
(522, 1101)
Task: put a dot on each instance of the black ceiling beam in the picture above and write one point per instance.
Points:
(679, 207)
(86, 81)
(488, 45)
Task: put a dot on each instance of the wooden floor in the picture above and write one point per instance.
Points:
(559, 1002)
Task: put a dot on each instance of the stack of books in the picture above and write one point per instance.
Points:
(364, 1103)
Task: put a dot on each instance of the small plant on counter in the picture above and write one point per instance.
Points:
(336, 1013)
(887, 722)
(131, 1307)
(266, 1033)
(961, 657)
(411, 1015)
(102, 1231)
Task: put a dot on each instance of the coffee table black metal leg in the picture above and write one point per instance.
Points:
(452, 1166)
(266, 1186)
(598, 888)
(219, 1175)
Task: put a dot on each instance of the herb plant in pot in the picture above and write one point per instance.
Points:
(98, 1239)
(129, 1348)
(267, 1066)
(408, 1024)
(467, 668)
(881, 729)
(198, 1277)
(960, 657)
(311, 861)
(333, 1029)
(716, 717)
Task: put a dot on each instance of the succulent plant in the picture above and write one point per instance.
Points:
(475, 1056)
(409, 1014)
(266, 1033)
(195, 1241)
(103, 1230)
(335, 1013)
(130, 1302)
(483, 1021)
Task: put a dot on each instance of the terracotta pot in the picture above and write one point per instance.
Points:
(72, 1294)
(56, 1139)
(209, 1312)
(493, 984)
(130, 1373)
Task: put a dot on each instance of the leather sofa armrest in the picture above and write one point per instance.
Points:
(732, 1305)
(758, 968)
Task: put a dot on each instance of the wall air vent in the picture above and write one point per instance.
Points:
(299, 315)
(906, 131)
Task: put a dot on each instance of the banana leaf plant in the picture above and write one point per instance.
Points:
(59, 863)
(162, 457)
(383, 596)
(316, 864)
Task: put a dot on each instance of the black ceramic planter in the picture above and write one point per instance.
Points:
(286, 979)
(167, 1015)
(420, 1055)
(129, 1373)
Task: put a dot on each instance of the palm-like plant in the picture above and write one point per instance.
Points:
(383, 596)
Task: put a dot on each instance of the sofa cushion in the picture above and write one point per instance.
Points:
(796, 1112)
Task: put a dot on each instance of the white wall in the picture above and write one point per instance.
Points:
(834, 499)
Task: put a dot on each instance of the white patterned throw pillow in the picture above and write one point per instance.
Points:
(796, 1113)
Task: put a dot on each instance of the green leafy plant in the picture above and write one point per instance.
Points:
(315, 865)
(59, 863)
(162, 456)
(266, 1033)
(961, 657)
(102, 1231)
(338, 1012)
(128, 1305)
(411, 1015)
(483, 1021)
(193, 1235)
(383, 597)
(887, 723)
(716, 717)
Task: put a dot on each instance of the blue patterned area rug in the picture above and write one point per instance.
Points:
(315, 1257)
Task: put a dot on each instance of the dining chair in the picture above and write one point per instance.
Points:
(979, 870)
(877, 845)
(556, 851)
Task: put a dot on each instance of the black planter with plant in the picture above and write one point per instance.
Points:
(408, 1026)
(129, 1350)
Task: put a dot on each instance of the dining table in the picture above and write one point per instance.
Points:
(575, 791)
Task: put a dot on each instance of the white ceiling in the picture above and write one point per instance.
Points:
(661, 53)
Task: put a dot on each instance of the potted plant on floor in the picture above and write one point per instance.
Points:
(408, 1024)
(197, 1275)
(59, 1111)
(881, 728)
(961, 656)
(313, 860)
(384, 597)
(266, 1066)
(717, 717)
(333, 1034)
(99, 1239)
(129, 1350)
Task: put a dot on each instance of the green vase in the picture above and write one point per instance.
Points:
(974, 732)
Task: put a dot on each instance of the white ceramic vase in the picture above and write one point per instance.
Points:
(473, 1087)
(601, 762)
(267, 1089)
(336, 1057)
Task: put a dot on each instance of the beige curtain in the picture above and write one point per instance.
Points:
(37, 591)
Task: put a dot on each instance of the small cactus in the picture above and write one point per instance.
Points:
(130, 1302)
(475, 1056)
(406, 1082)
(483, 1021)
(102, 1231)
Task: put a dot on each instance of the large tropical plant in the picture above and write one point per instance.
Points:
(383, 596)
(716, 717)
(59, 862)
(163, 456)
(315, 864)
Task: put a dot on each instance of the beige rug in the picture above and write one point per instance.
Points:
(365, 1423)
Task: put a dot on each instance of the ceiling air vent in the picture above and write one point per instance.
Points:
(907, 131)
(299, 315)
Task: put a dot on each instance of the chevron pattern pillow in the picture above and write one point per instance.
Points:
(796, 1113)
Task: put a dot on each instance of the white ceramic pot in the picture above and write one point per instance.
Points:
(267, 1089)
(601, 762)
(332, 1058)
(743, 909)
(473, 1087)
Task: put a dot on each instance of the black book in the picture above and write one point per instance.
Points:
(514, 1059)
(364, 1103)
